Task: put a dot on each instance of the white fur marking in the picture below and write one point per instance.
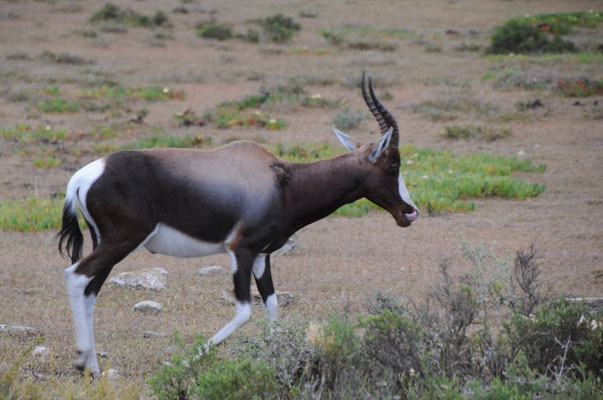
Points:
(271, 307)
(78, 187)
(233, 261)
(169, 241)
(404, 192)
(243, 313)
(82, 307)
(259, 266)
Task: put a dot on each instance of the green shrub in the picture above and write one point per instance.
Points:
(200, 374)
(215, 31)
(440, 349)
(347, 119)
(279, 28)
(558, 334)
(562, 23)
(332, 37)
(517, 36)
(108, 12)
(113, 13)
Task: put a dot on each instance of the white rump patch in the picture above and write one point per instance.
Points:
(172, 242)
(78, 187)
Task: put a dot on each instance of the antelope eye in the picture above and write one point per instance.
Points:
(394, 166)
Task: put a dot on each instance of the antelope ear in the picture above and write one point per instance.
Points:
(380, 146)
(347, 141)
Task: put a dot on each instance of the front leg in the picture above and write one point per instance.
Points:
(242, 263)
(263, 280)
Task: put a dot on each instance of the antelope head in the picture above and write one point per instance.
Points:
(384, 184)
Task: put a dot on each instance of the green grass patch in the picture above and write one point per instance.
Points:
(448, 109)
(579, 87)
(27, 134)
(58, 105)
(150, 93)
(366, 30)
(475, 132)
(47, 162)
(32, 214)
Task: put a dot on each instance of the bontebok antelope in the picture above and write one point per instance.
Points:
(238, 199)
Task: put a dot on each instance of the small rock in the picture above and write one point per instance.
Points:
(151, 278)
(148, 307)
(213, 270)
(287, 247)
(152, 334)
(111, 374)
(521, 153)
(18, 329)
(40, 351)
(102, 354)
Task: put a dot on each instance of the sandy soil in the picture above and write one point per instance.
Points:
(339, 261)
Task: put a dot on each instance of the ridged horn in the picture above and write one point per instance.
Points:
(390, 121)
(371, 105)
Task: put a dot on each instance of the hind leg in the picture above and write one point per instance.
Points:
(84, 280)
(263, 280)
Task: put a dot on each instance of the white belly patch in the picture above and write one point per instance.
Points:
(171, 242)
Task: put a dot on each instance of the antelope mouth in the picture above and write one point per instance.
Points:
(412, 216)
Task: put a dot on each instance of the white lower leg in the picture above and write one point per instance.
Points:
(271, 308)
(92, 363)
(81, 307)
(243, 313)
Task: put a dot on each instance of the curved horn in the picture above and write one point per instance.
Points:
(385, 115)
(369, 102)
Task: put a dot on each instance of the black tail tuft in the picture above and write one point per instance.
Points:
(71, 232)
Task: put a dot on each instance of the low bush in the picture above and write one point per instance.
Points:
(215, 31)
(347, 119)
(111, 12)
(518, 36)
(562, 23)
(279, 28)
(444, 347)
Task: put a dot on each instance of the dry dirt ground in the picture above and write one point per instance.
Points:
(339, 261)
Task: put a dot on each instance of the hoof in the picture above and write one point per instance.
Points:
(80, 363)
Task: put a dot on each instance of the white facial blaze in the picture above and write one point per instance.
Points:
(404, 192)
